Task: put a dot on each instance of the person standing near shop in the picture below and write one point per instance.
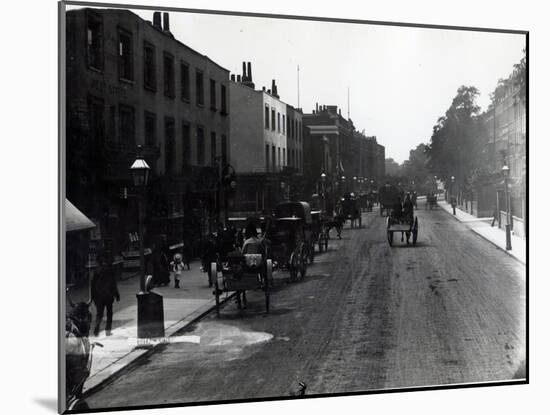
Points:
(104, 292)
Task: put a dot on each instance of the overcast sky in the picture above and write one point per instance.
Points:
(400, 79)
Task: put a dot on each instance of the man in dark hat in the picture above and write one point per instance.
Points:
(104, 291)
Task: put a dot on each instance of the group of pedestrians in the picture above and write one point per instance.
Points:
(163, 266)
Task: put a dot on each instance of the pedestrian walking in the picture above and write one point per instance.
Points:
(104, 292)
(177, 267)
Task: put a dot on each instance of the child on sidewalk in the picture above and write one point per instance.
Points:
(177, 266)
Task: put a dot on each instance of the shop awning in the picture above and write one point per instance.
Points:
(75, 220)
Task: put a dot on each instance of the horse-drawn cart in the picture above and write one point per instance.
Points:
(290, 238)
(240, 273)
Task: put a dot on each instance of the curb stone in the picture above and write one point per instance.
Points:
(131, 359)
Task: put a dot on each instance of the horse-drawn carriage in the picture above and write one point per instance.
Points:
(402, 220)
(319, 230)
(290, 239)
(350, 209)
(240, 271)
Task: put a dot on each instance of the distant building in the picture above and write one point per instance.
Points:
(266, 149)
(349, 159)
(130, 82)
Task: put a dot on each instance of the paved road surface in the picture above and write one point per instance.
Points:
(449, 310)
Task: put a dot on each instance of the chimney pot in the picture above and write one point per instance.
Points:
(249, 71)
(317, 106)
(244, 71)
(269, 91)
(166, 21)
(263, 88)
(156, 20)
(233, 77)
(238, 78)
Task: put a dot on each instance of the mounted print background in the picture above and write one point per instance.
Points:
(266, 207)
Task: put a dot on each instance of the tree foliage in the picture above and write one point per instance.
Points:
(456, 148)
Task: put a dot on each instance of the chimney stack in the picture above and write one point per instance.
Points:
(233, 77)
(339, 111)
(317, 106)
(274, 88)
(263, 88)
(269, 91)
(244, 72)
(239, 78)
(156, 20)
(166, 22)
(249, 72)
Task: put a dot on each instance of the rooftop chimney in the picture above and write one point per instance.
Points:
(233, 77)
(249, 71)
(317, 106)
(263, 88)
(269, 91)
(156, 20)
(166, 21)
(238, 78)
(274, 88)
(339, 111)
(244, 71)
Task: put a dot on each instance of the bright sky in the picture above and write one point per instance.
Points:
(400, 79)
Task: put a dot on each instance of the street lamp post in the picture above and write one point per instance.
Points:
(323, 180)
(453, 200)
(150, 322)
(506, 173)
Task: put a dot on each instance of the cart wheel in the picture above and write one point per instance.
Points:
(267, 283)
(303, 261)
(292, 267)
(214, 280)
(415, 231)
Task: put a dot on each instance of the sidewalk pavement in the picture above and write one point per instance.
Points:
(482, 226)
(181, 307)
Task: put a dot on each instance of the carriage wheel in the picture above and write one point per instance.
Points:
(214, 279)
(267, 282)
(415, 231)
(303, 261)
(292, 267)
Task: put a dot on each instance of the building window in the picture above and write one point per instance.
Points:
(266, 111)
(224, 150)
(186, 142)
(272, 119)
(292, 129)
(224, 100)
(169, 89)
(149, 67)
(150, 129)
(284, 132)
(279, 158)
(212, 148)
(125, 56)
(94, 41)
(284, 157)
(126, 118)
(278, 122)
(288, 127)
(273, 164)
(96, 120)
(199, 86)
(267, 157)
(200, 146)
(170, 145)
(185, 82)
(213, 95)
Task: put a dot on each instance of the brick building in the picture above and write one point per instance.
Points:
(130, 82)
(266, 145)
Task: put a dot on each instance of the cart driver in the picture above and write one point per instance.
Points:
(408, 207)
(252, 244)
